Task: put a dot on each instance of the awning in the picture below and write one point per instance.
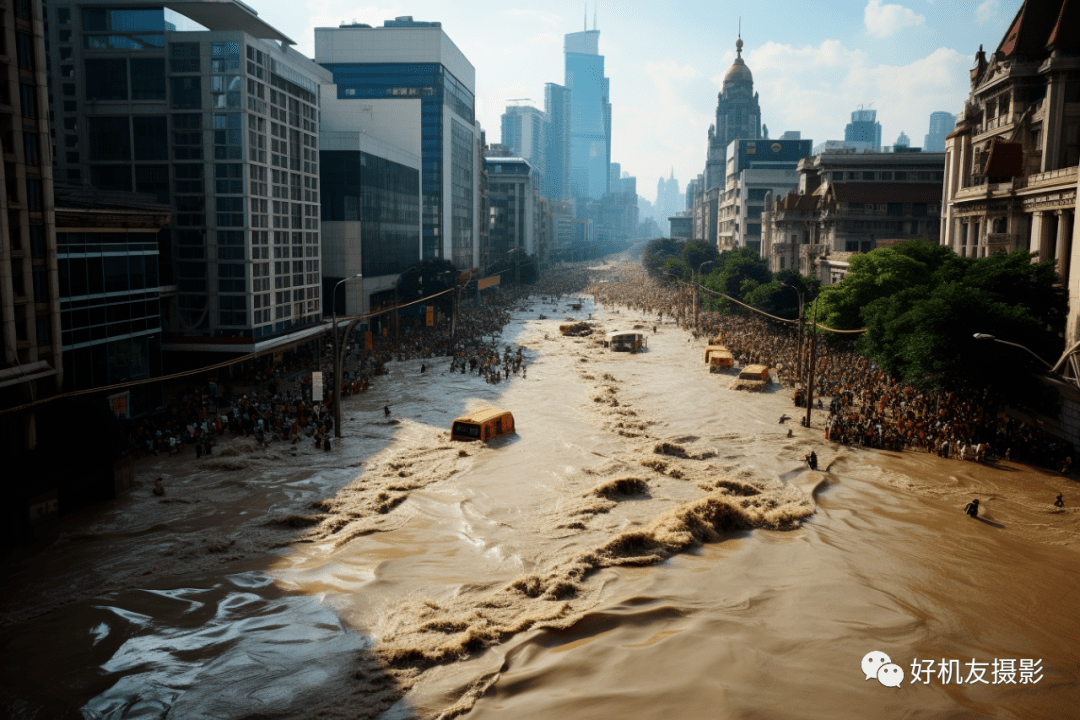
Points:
(1006, 159)
(25, 373)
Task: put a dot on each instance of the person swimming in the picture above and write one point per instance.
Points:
(159, 489)
(1059, 503)
(972, 508)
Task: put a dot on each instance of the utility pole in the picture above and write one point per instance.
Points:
(810, 372)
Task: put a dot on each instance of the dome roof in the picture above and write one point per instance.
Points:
(738, 72)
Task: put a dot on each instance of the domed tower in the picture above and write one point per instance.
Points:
(738, 117)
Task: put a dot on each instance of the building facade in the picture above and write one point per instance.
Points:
(758, 171)
(864, 131)
(516, 234)
(31, 366)
(941, 124)
(1012, 161)
(590, 115)
(211, 112)
(851, 202)
(557, 142)
(370, 166)
(524, 131)
(405, 60)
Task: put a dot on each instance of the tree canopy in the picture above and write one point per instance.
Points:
(922, 305)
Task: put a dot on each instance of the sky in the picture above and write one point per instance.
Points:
(813, 63)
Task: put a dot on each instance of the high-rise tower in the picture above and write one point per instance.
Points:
(590, 115)
(738, 117)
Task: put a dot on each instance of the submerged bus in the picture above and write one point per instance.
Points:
(482, 425)
(626, 341)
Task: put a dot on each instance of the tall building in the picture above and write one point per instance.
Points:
(941, 124)
(403, 60)
(758, 171)
(590, 115)
(557, 142)
(515, 237)
(524, 131)
(738, 117)
(669, 200)
(864, 131)
(212, 111)
(1012, 162)
(31, 366)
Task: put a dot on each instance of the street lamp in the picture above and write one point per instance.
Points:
(984, 336)
(337, 354)
(798, 366)
(810, 372)
(707, 262)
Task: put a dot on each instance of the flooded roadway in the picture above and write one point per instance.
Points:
(559, 572)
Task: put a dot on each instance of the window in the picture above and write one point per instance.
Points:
(230, 211)
(111, 177)
(184, 57)
(28, 97)
(231, 278)
(153, 179)
(148, 78)
(106, 79)
(109, 138)
(229, 178)
(31, 148)
(151, 138)
(189, 178)
(24, 49)
(186, 93)
(901, 175)
(63, 16)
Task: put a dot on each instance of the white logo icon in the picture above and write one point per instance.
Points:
(878, 665)
(890, 675)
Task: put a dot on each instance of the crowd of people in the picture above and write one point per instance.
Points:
(866, 406)
(270, 398)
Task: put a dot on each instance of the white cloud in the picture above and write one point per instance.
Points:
(813, 89)
(885, 20)
(987, 11)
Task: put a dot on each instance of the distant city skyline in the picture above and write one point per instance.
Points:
(813, 64)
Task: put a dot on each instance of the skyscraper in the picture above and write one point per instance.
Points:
(864, 130)
(557, 142)
(524, 130)
(212, 111)
(590, 115)
(941, 124)
(405, 59)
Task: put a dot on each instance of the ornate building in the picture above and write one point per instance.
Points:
(1011, 164)
(738, 117)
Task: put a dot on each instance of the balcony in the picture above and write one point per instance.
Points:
(1064, 176)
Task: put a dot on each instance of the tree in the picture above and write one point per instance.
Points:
(697, 252)
(657, 251)
(732, 271)
(777, 297)
(922, 305)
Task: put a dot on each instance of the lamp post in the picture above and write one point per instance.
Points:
(337, 353)
(984, 336)
(798, 365)
(707, 262)
(810, 373)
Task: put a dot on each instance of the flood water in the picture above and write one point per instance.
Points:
(648, 544)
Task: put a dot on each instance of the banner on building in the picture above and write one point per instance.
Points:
(488, 282)
(316, 387)
(368, 342)
(119, 404)
(430, 315)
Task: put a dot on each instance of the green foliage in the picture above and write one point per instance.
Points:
(697, 252)
(778, 297)
(657, 251)
(922, 305)
(675, 266)
(736, 273)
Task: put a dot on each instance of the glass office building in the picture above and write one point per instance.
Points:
(416, 60)
(590, 115)
(208, 113)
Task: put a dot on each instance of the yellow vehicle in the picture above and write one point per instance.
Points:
(755, 372)
(626, 341)
(482, 425)
(720, 360)
(713, 348)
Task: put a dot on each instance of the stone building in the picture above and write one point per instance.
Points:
(850, 202)
(1012, 161)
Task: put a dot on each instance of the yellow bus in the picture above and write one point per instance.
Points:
(720, 359)
(755, 372)
(482, 425)
(713, 348)
(626, 341)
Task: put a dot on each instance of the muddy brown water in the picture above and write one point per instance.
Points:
(648, 544)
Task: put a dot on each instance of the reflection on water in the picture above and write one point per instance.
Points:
(649, 543)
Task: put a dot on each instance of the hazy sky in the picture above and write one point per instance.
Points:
(813, 62)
